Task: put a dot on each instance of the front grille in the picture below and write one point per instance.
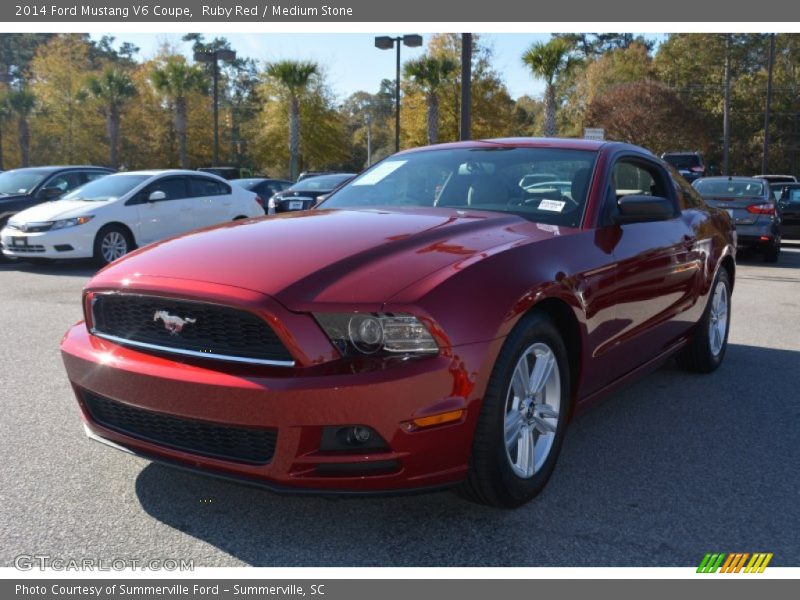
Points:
(186, 327)
(26, 248)
(237, 444)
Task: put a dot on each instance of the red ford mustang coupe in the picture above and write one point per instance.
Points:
(436, 322)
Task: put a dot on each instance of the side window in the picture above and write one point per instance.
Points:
(630, 178)
(92, 175)
(203, 186)
(65, 181)
(793, 195)
(634, 177)
(174, 188)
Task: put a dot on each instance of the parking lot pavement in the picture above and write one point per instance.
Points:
(671, 468)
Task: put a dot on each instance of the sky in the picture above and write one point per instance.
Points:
(351, 61)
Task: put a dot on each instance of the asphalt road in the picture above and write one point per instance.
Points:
(673, 467)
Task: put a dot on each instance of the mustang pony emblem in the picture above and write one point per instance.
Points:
(172, 323)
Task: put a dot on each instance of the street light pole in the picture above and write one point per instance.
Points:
(385, 42)
(397, 101)
(466, 85)
(726, 109)
(771, 60)
(213, 57)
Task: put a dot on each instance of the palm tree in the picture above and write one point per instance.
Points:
(294, 77)
(430, 73)
(21, 103)
(547, 61)
(3, 118)
(175, 80)
(113, 88)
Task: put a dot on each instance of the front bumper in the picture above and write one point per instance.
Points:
(71, 242)
(298, 404)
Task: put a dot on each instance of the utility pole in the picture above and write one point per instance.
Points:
(368, 120)
(466, 86)
(771, 60)
(726, 113)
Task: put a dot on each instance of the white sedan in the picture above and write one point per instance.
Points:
(107, 218)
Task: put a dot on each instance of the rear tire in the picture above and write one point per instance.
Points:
(523, 417)
(773, 252)
(112, 242)
(706, 349)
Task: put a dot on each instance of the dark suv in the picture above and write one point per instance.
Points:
(690, 165)
(751, 206)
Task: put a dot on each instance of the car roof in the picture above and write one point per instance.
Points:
(517, 142)
(55, 168)
(154, 172)
(729, 178)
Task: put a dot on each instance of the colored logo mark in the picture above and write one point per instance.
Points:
(734, 562)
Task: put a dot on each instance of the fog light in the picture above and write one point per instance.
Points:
(359, 435)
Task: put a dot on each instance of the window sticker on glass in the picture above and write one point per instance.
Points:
(552, 205)
(382, 171)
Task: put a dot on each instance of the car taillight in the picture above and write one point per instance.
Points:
(761, 209)
(260, 201)
(697, 169)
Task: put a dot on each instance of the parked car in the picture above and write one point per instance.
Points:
(109, 217)
(23, 188)
(752, 206)
(789, 206)
(227, 172)
(307, 174)
(690, 165)
(431, 324)
(777, 178)
(306, 193)
(265, 188)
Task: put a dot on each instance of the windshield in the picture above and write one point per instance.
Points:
(106, 188)
(323, 182)
(499, 179)
(20, 182)
(730, 188)
(683, 161)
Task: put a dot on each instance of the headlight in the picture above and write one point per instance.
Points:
(71, 222)
(370, 334)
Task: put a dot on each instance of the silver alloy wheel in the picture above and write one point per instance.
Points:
(533, 402)
(718, 321)
(113, 246)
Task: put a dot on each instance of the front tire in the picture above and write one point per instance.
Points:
(706, 349)
(523, 417)
(112, 242)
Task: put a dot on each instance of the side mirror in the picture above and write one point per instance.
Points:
(50, 193)
(640, 208)
(156, 196)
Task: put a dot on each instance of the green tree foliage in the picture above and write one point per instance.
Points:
(549, 61)
(320, 130)
(430, 74)
(113, 89)
(293, 79)
(177, 80)
(21, 103)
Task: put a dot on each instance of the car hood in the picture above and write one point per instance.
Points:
(331, 257)
(57, 209)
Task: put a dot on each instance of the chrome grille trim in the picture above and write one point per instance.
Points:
(179, 351)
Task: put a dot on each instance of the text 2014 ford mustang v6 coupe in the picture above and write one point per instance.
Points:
(435, 322)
